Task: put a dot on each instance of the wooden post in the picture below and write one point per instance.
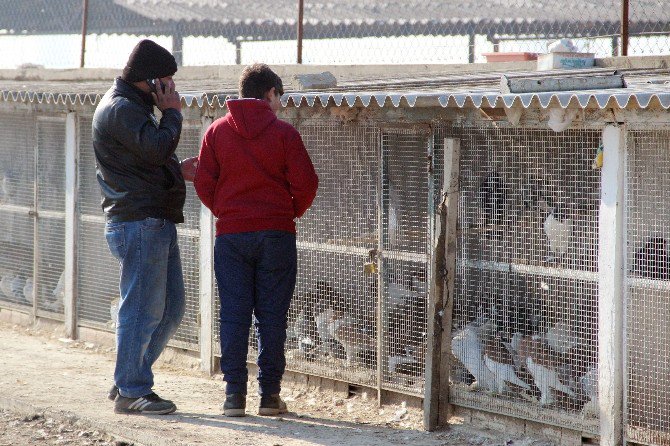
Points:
(611, 290)
(71, 226)
(206, 281)
(440, 305)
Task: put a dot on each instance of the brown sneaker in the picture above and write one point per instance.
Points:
(272, 405)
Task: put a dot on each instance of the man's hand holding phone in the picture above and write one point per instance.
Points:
(166, 97)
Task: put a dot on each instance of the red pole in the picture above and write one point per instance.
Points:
(301, 11)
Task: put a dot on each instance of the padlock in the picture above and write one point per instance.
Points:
(370, 268)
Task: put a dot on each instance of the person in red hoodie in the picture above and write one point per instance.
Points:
(256, 177)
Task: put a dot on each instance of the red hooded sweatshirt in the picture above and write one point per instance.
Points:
(253, 170)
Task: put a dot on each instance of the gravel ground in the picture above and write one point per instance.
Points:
(62, 385)
(38, 430)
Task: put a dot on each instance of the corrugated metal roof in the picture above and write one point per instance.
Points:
(645, 89)
(399, 12)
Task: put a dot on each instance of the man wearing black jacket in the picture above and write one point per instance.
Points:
(143, 193)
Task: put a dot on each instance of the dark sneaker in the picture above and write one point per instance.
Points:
(234, 405)
(113, 393)
(272, 405)
(150, 404)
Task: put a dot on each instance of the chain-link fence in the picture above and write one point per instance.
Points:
(212, 32)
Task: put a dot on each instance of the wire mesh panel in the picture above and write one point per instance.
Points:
(51, 215)
(189, 242)
(406, 197)
(333, 317)
(98, 282)
(525, 310)
(648, 290)
(17, 183)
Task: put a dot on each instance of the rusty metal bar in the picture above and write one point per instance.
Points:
(624, 27)
(84, 25)
(301, 13)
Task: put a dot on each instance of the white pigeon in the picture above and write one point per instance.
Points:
(563, 46)
(405, 362)
(543, 365)
(17, 287)
(558, 229)
(114, 311)
(466, 346)
(561, 338)
(501, 363)
(8, 188)
(6, 285)
(29, 291)
(589, 383)
(323, 323)
(59, 291)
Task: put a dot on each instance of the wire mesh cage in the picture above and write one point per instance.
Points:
(333, 327)
(98, 276)
(17, 161)
(51, 216)
(406, 193)
(525, 311)
(333, 316)
(648, 288)
(187, 335)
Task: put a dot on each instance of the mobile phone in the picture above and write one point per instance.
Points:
(152, 85)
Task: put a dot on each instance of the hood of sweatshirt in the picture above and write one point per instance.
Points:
(249, 117)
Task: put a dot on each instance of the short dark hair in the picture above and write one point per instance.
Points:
(258, 79)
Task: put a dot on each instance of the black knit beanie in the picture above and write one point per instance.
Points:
(149, 61)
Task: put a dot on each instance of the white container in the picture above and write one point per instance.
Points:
(552, 61)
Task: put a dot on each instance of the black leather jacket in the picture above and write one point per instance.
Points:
(137, 168)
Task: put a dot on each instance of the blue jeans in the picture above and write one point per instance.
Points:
(255, 273)
(152, 298)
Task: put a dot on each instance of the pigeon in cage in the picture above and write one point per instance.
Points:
(6, 284)
(405, 363)
(558, 228)
(354, 339)
(306, 333)
(491, 198)
(543, 363)
(561, 338)
(589, 385)
(652, 261)
(55, 303)
(466, 346)
(29, 291)
(501, 363)
(114, 311)
(17, 288)
(8, 187)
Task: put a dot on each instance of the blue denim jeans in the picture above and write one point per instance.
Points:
(152, 298)
(255, 273)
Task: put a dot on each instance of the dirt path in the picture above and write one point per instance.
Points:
(65, 380)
